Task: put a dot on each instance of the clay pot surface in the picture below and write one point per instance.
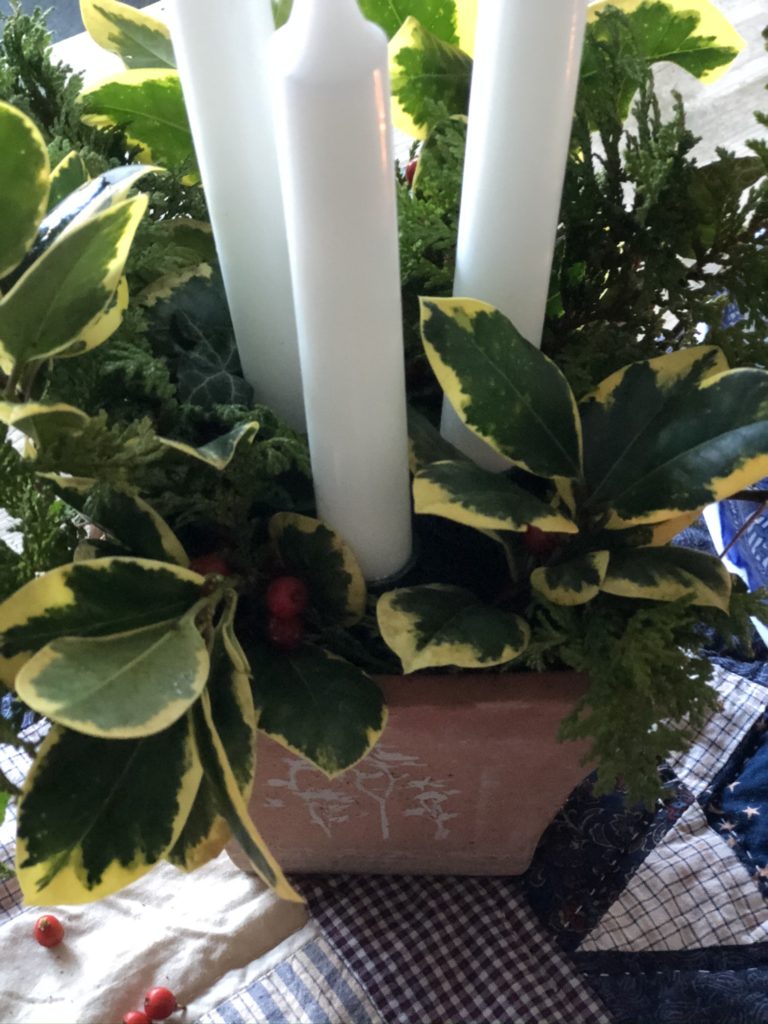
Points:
(464, 780)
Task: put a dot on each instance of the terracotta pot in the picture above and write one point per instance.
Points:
(465, 779)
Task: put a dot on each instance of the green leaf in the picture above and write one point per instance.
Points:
(312, 551)
(118, 687)
(42, 423)
(141, 40)
(97, 814)
(711, 190)
(66, 177)
(669, 574)
(63, 298)
(217, 453)
(318, 706)
(626, 408)
(465, 493)
(437, 16)
(433, 626)
(124, 515)
(666, 437)
(574, 582)
(426, 444)
(694, 34)
(89, 198)
(427, 75)
(206, 832)
(149, 106)
(94, 598)
(24, 184)
(502, 387)
(281, 10)
(229, 799)
(189, 318)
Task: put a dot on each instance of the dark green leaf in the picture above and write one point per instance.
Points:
(317, 705)
(84, 833)
(433, 626)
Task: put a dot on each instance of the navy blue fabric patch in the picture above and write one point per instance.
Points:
(725, 985)
(589, 852)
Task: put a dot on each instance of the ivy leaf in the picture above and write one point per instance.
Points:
(434, 626)
(210, 372)
(318, 706)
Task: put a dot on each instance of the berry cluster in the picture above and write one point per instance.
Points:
(159, 1003)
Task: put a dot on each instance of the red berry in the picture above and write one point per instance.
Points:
(160, 1003)
(410, 171)
(286, 634)
(48, 930)
(136, 1017)
(211, 564)
(540, 543)
(287, 597)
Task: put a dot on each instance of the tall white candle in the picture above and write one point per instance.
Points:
(221, 51)
(334, 137)
(524, 81)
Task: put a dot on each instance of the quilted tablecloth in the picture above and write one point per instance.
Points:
(626, 915)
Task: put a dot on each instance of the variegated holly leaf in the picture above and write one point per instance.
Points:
(118, 687)
(665, 437)
(217, 454)
(24, 184)
(94, 598)
(67, 176)
(467, 494)
(42, 423)
(124, 515)
(502, 387)
(139, 39)
(574, 582)
(428, 75)
(426, 444)
(62, 298)
(317, 705)
(206, 832)
(312, 551)
(229, 800)
(148, 105)
(121, 810)
(434, 626)
(78, 207)
(669, 574)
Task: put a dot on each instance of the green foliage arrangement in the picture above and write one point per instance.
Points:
(154, 502)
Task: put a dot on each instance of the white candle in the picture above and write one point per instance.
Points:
(334, 137)
(221, 53)
(524, 81)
